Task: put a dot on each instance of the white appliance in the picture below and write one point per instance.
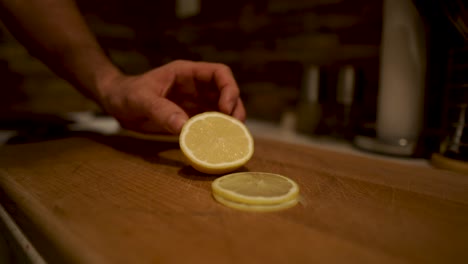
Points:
(400, 102)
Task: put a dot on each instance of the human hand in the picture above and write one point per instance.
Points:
(161, 100)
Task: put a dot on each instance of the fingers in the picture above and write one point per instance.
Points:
(165, 114)
(226, 84)
(221, 76)
(229, 100)
(239, 111)
(169, 101)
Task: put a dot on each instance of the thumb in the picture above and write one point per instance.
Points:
(168, 115)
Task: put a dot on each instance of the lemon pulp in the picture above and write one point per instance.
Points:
(216, 143)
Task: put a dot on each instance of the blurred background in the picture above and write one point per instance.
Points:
(312, 64)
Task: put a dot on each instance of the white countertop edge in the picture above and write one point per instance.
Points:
(86, 121)
(271, 131)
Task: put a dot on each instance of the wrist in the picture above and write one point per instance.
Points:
(105, 82)
(108, 89)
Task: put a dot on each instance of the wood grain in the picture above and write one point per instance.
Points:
(118, 199)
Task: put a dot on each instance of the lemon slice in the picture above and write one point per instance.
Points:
(256, 207)
(255, 188)
(216, 143)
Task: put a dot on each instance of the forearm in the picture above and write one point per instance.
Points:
(55, 32)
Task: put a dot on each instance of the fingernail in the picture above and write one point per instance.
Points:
(176, 122)
(229, 107)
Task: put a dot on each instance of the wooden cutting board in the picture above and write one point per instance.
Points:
(118, 199)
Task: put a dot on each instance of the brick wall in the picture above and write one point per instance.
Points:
(267, 43)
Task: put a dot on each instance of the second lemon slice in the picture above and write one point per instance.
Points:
(255, 188)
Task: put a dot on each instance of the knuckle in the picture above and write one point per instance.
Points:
(178, 62)
(223, 67)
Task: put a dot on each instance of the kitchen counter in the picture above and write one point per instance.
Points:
(94, 198)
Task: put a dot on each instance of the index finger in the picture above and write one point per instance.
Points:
(224, 80)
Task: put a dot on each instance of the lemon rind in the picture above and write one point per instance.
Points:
(259, 200)
(256, 207)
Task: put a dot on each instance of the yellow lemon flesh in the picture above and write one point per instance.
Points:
(255, 191)
(216, 143)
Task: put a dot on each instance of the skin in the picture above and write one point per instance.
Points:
(160, 100)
